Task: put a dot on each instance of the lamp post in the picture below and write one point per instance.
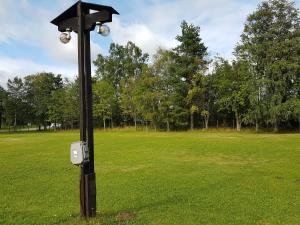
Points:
(79, 19)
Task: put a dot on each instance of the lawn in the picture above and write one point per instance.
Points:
(185, 178)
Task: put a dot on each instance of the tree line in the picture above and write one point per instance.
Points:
(181, 88)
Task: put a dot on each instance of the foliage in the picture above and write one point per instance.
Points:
(191, 64)
(39, 88)
(104, 100)
(16, 107)
(270, 43)
(3, 97)
(231, 83)
(64, 104)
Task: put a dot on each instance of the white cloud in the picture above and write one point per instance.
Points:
(141, 35)
(158, 23)
(25, 28)
(21, 67)
(150, 24)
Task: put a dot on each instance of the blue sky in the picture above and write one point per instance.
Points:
(30, 44)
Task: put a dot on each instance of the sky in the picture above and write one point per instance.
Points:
(30, 44)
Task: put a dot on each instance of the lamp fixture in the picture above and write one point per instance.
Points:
(65, 37)
(102, 29)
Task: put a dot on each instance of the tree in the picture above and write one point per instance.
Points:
(104, 100)
(2, 101)
(56, 106)
(148, 97)
(128, 99)
(291, 111)
(71, 107)
(270, 43)
(209, 101)
(15, 105)
(63, 106)
(191, 61)
(162, 69)
(123, 64)
(38, 89)
(231, 85)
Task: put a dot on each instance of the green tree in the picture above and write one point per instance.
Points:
(123, 64)
(162, 69)
(39, 88)
(232, 89)
(56, 106)
(3, 97)
(148, 97)
(270, 43)
(63, 106)
(191, 61)
(104, 99)
(128, 99)
(71, 108)
(15, 104)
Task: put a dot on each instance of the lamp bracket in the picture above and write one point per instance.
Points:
(90, 21)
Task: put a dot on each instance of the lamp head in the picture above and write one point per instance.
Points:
(103, 29)
(65, 37)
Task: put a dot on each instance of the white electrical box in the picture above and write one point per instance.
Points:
(79, 153)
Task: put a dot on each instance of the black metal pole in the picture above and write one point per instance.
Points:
(82, 92)
(90, 178)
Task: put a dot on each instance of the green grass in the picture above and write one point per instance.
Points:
(160, 178)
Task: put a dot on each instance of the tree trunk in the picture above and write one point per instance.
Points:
(238, 122)
(192, 121)
(275, 126)
(112, 123)
(15, 122)
(256, 126)
(135, 123)
(206, 118)
(217, 123)
(168, 126)
(104, 125)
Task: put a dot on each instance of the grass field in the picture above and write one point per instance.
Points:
(144, 178)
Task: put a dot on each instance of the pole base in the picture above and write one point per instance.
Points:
(90, 194)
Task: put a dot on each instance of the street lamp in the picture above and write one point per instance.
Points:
(81, 20)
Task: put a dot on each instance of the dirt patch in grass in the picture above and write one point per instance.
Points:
(125, 216)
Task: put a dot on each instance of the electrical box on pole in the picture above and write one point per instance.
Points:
(79, 153)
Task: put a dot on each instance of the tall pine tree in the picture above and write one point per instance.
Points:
(191, 62)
